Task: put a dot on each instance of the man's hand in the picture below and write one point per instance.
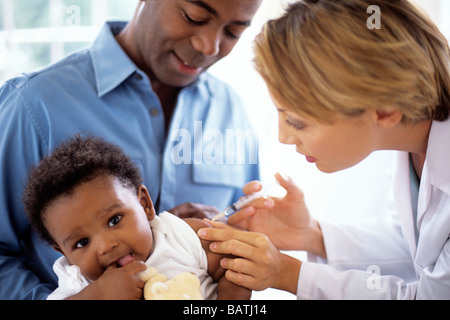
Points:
(194, 210)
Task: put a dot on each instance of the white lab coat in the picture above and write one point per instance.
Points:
(410, 268)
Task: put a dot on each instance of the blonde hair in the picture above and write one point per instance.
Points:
(321, 60)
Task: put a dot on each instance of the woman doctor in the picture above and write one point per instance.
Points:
(344, 89)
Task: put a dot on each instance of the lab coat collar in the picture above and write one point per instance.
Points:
(436, 168)
(402, 198)
(435, 174)
(111, 64)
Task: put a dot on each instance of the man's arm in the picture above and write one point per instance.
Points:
(25, 262)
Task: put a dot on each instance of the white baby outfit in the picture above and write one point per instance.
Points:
(176, 249)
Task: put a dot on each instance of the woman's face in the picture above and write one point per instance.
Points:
(330, 146)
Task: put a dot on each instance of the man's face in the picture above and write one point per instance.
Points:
(177, 40)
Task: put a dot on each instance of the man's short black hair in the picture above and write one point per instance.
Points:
(75, 161)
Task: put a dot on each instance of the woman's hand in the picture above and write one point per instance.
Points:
(259, 265)
(286, 221)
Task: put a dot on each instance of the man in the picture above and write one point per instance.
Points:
(142, 86)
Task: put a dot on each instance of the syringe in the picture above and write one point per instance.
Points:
(242, 202)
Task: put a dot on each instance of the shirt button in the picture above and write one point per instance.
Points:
(138, 77)
(154, 112)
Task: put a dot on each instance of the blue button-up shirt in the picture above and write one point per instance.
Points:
(206, 156)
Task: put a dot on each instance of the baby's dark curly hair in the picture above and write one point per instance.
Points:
(75, 161)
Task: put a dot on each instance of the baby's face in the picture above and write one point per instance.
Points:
(100, 224)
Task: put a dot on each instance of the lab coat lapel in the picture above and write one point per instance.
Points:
(433, 206)
(436, 173)
(402, 197)
(435, 177)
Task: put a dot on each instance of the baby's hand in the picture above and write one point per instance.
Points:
(119, 283)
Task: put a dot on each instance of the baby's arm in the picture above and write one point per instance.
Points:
(226, 289)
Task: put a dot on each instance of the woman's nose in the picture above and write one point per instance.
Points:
(285, 138)
(208, 43)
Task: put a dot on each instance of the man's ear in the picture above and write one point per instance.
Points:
(388, 118)
(146, 202)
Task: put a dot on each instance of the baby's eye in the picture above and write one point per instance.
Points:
(82, 243)
(114, 220)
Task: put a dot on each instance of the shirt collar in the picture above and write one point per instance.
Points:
(111, 64)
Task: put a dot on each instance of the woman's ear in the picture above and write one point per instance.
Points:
(146, 202)
(388, 118)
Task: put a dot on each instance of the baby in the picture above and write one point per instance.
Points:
(88, 202)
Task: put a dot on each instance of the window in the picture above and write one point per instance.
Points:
(36, 33)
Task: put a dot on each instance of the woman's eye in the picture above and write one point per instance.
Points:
(114, 220)
(295, 125)
(82, 243)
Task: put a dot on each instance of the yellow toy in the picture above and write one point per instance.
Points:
(185, 286)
